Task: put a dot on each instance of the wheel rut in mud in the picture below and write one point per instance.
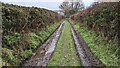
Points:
(44, 52)
(68, 52)
(85, 55)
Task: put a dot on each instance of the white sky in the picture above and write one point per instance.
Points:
(42, 0)
(48, 4)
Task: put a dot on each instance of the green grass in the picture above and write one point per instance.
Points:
(103, 50)
(65, 53)
(23, 51)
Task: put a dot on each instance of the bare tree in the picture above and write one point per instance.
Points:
(71, 6)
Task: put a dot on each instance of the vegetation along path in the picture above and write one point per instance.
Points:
(65, 53)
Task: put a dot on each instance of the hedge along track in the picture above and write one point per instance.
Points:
(84, 53)
(44, 52)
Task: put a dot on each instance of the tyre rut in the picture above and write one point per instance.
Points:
(44, 52)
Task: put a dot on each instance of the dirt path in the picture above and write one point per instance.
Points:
(68, 47)
(44, 52)
(85, 55)
(65, 53)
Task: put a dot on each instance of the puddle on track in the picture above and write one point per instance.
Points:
(44, 52)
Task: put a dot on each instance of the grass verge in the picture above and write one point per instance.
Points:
(18, 47)
(65, 53)
(103, 50)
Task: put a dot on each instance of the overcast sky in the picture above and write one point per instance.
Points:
(48, 4)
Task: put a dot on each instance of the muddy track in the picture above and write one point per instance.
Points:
(44, 52)
(85, 55)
